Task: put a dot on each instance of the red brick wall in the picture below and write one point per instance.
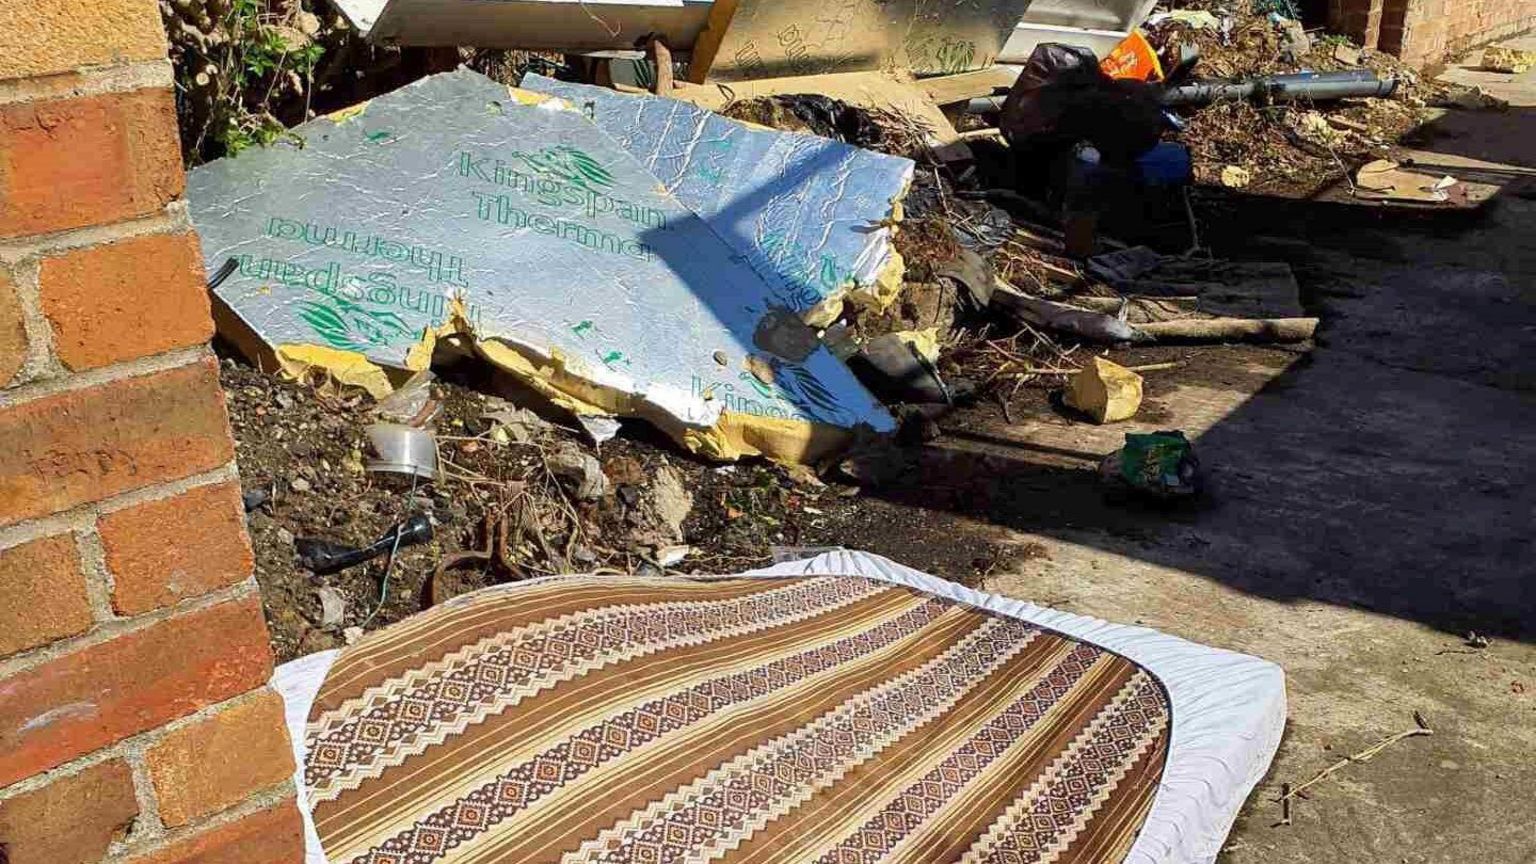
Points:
(136, 724)
(1423, 32)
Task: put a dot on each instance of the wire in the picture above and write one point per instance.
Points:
(389, 565)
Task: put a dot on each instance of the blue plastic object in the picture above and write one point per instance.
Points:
(1167, 164)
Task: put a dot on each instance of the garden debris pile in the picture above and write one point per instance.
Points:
(952, 291)
(1294, 148)
(302, 450)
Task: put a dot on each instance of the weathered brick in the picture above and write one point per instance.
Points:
(84, 700)
(271, 836)
(13, 330)
(41, 37)
(178, 547)
(42, 593)
(124, 300)
(221, 760)
(71, 820)
(92, 160)
(82, 445)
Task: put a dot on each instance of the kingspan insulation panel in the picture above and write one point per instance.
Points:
(811, 215)
(456, 204)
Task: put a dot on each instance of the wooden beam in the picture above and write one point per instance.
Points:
(707, 46)
(952, 89)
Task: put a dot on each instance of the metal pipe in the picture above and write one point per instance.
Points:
(1314, 86)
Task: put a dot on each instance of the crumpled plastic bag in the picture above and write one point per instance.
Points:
(1062, 98)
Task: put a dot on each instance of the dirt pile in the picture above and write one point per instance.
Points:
(302, 449)
(1293, 148)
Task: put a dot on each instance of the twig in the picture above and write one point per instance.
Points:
(977, 134)
(1007, 414)
(1366, 755)
(1035, 370)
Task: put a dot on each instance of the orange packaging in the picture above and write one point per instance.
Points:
(1133, 58)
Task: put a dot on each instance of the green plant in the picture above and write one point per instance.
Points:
(245, 70)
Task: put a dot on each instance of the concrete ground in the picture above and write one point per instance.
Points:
(1372, 502)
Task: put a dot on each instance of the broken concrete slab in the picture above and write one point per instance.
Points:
(458, 207)
(812, 216)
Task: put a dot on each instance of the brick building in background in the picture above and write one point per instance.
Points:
(1424, 32)
(136, 724)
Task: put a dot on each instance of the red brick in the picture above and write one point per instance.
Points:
(272, 836)
(42, 594)
(60, 451)
(71, 820)
(39, 37)
(84, 700)
(221, 760)
(178, 547)
(13, 331)
(92, 160)
(124, 300)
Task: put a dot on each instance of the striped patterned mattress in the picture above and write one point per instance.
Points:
(749, 719)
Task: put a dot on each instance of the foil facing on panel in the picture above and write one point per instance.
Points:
(811, 215)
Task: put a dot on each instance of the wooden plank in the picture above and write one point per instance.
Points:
(866, 89)
(707, 46)
(951, 89)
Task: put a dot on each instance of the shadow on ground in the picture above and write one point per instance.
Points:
(1390, 470)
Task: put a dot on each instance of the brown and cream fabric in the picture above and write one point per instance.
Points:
(647, 721)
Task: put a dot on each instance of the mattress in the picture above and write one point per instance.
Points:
(839, 708)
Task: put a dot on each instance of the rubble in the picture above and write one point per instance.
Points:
(928, 259)
(730, 520)
(581, 471)
(1510, 61)
(1259, 138)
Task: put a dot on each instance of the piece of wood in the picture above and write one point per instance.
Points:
(1049, 245)
(1259, 330)
(661, 58)
(885, 90)
(1148, 308)
(978, 134)
(707, 46)
(1060, 317)
(952, 89)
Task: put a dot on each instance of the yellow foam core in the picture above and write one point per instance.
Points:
(733, 436)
